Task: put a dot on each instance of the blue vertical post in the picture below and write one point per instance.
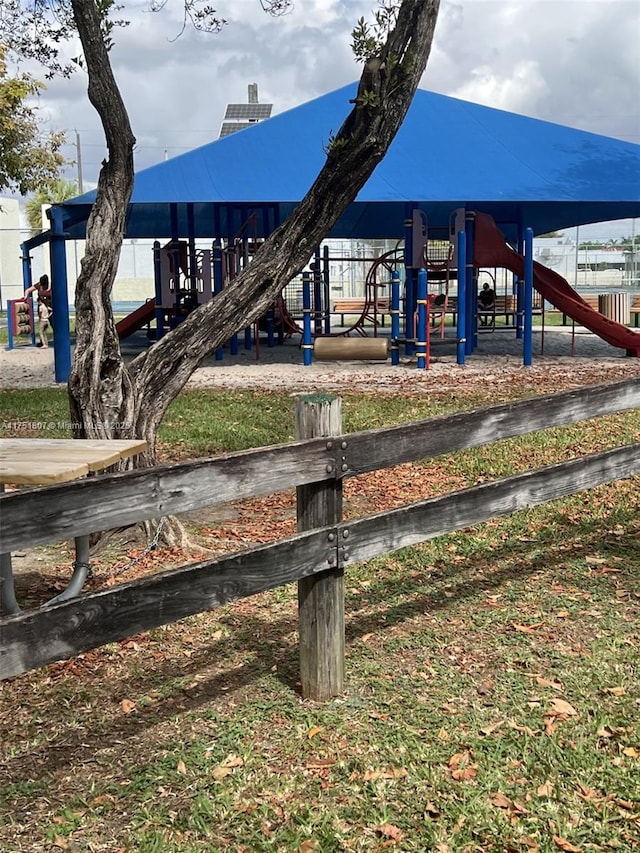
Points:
(471, 301)
(59, 298)
(157, 280)
(263, 232)
(193, 260)
(27, 280)
(307, 346)
(527, 346)
(317, 294)
(410, 281)
(229, 222)
(461, 330)
(271, 328)
(10, 330)
(421, 343)
(519, 288)
(327, 290)
(176, 315)
(395, 317)
(217, 281)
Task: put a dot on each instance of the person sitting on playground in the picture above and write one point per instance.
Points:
(486, 303)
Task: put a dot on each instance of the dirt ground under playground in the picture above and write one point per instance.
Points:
(565, 358)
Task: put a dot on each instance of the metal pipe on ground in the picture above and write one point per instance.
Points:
(350, 349)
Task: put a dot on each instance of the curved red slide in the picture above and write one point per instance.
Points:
(491, 250)
(136, 320)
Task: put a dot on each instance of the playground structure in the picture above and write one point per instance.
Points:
(187, 276)
(417, 284)
(525, 173)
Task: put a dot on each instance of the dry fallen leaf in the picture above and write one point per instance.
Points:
(390, 831)
(489, 730)
(319, 763)
(527, 629)
(308, 846)
(587, 793)
(559, 707)
(181, 767)
(546, 682)
(461, 769)
(127, 706)
(61, 842)
(431, 811)
(615, 691)
(500, 801)
(389, 773)
(313, 731)
(227, 766)
(220, 772)
(565, 845)
(546, 789)
(465, 773)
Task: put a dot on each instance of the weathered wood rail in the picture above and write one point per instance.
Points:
(34, 638)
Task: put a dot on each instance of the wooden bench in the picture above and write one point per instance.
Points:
(348, 305)
(505, 306)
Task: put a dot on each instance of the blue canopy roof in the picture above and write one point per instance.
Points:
(448, 154)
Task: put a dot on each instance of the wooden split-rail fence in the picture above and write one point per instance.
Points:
(317, 556)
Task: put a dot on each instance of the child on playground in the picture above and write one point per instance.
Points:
(45, 308)
(44, 314)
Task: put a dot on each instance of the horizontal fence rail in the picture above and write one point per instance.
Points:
(42, 636)
(54, 513)
(388, 531)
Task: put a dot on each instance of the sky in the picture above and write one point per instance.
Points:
(573, 62)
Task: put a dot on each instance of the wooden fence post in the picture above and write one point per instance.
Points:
(320, 597)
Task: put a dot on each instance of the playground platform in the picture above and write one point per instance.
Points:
(558, 341)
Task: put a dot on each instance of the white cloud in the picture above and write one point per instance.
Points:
(518, 93)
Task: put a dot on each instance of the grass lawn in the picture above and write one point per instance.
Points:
(493, 684)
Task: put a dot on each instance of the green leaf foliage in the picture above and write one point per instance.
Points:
(29, 159)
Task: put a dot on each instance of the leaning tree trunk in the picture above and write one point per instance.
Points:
(101, 393)
(113, 401)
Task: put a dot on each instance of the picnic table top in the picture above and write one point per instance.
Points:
(42, 461)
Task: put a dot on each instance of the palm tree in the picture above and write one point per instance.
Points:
(58, 192)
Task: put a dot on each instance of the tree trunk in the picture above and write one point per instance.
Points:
(101, 393)
(111, 400)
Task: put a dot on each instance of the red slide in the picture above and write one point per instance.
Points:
(491, 250)
(136, 320)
